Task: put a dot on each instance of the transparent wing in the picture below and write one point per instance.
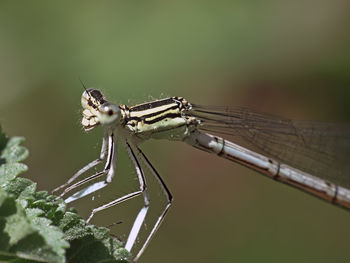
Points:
(321, 149)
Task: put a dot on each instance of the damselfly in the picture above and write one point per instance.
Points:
(311, 156)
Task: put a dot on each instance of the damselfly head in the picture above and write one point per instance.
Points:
(96, 110)
(91, 100)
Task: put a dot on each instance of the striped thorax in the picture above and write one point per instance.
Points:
(160, 119)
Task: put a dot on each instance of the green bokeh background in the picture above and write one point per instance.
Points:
(289, 58)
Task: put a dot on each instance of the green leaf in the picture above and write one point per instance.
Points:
(14, 152)
(36, 228)
(9, 171)
(18, 226)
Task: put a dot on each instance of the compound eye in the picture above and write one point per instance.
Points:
(109, 113)
(108, 108)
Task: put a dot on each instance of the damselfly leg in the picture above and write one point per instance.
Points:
(166, 208)
(143, 190)
(109, 169)
(86, 167)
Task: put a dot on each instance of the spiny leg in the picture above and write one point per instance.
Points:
(143, 190)
(88, 166)
(163, 214)
(86, 190)
(134, 232)
(109, 168)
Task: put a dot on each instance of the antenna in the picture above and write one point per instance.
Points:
(84, 87)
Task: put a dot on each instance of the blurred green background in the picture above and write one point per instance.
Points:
(289, 58)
